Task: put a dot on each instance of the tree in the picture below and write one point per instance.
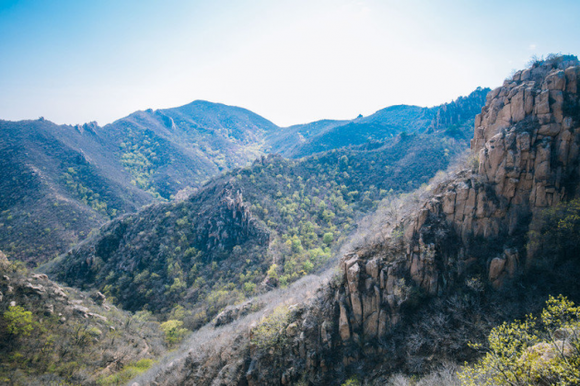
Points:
(270, 332)
(174, 333)
(18, 321)
(544, 351)
(327, 238)
(273, 271)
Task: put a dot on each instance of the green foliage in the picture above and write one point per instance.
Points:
(140, 157)
(353, 381)
(273, 271)
(129, 372)
(556, 233)
(174, 333)
(74, 181)
(249, 288)
(18, 321)
(328, 238)
(271, 333)
(544, 351)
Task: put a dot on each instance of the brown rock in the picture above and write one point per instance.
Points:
(518, 111)
(496, 268)
(353, 277)
(343, 325)
(551, 129)
(543, 103)
(572, 79)
(555, 81)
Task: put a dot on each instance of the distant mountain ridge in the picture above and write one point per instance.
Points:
(62, 181)
(385, 123)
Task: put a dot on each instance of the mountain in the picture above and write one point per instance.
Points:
(285, 141)
(168, 150)
(63, 181)
(385, 123)
(484, 244)
(251, 230)
(59, 182)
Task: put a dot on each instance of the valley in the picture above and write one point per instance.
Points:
(204, 245)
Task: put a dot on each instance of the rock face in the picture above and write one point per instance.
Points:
(527, 141)
(525, 158)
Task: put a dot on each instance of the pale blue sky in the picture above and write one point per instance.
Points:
(291, 61)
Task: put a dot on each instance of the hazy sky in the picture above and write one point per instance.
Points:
(289, 61)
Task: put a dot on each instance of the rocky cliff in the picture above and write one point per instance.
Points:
(525, 145)
(470, 230)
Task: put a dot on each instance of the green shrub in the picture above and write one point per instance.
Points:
(271, 330)
(18, 321)
(556, 233)
(129, 372)
(544, 351)
(327, 238)
(353, 381)
(174, 333)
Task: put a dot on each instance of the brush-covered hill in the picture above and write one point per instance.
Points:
(253, 229)
(62, 181)
(170, 149)
(54, 335)
(58, 183)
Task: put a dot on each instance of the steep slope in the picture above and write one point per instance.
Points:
(59, 182)
(253, 229)
(430, 278)
(170, 149)
(56, 335)
(62, 181)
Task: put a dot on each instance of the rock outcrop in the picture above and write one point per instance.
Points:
(527, 141)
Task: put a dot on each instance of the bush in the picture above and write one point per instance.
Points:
(128, 373)
(544, 351)
(18, 321)
(557, 231)
(271, 331)
(327, 238)
(353, 381)
(174, 333)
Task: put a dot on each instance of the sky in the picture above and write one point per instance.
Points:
(296, 61)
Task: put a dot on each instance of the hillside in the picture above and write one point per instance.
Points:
(485, 244)
(63, 181)
(59, 335)
(251, 230)
(170, 149)
(59, 182)
(286, 141)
